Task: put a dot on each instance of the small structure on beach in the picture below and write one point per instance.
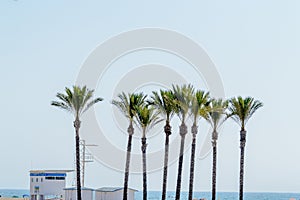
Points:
(71, 193)
(47, 183)
(112, 193)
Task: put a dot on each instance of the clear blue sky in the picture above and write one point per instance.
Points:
(255, 46)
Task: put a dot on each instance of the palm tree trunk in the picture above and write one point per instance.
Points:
(242, 146)
(166, 160)
(144, 146)
(77, 126)
(214, 170)
(192, 164)
(183, 132)
(130, 131)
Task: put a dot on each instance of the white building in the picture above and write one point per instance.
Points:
(113, 193)
(71, 193)
(47, 183)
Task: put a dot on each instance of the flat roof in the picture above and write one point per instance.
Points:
(75, 188)
(112, 189)
(51, 171)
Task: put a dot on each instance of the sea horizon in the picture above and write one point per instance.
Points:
(182, 190)
(156, 195)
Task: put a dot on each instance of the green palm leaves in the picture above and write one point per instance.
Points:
(77, 101)
(147, 117)
(216, 114)
(127, 104)
(164, 102)
(199, 106)
(183, 97)
(242, 109)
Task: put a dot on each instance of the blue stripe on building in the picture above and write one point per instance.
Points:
(49, 174)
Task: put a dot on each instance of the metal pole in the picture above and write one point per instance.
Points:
(84, 161)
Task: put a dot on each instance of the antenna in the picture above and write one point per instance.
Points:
(86, 157)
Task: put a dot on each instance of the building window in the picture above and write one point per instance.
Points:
(41, 179)
(37, 179)
(54, 178)
(32, 180)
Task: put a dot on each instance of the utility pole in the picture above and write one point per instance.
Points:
(86, 157)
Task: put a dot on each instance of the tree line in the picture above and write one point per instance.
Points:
(145, 111)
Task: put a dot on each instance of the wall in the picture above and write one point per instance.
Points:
(72, 194)
(113, 195)
(47, 187)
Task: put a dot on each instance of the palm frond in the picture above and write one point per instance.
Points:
(183, 97)
(65, 99)
(86, 97)
(147, 117)
(122, 104)
(127, 103)
(61, 105)
(76, 101)
(200, 105)
(91, 103)
(216, 115)
(255, 106)
(164, 103)
(242, 109)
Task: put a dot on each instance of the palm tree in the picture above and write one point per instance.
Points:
(164, 103)
(199, 109)
(183, 96)
(216, 117)
(146, 119)
(241, 110)
(77, 102)
(127, 105)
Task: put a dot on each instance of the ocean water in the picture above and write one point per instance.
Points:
(223, 196)
(153, 195)
(13, 193)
